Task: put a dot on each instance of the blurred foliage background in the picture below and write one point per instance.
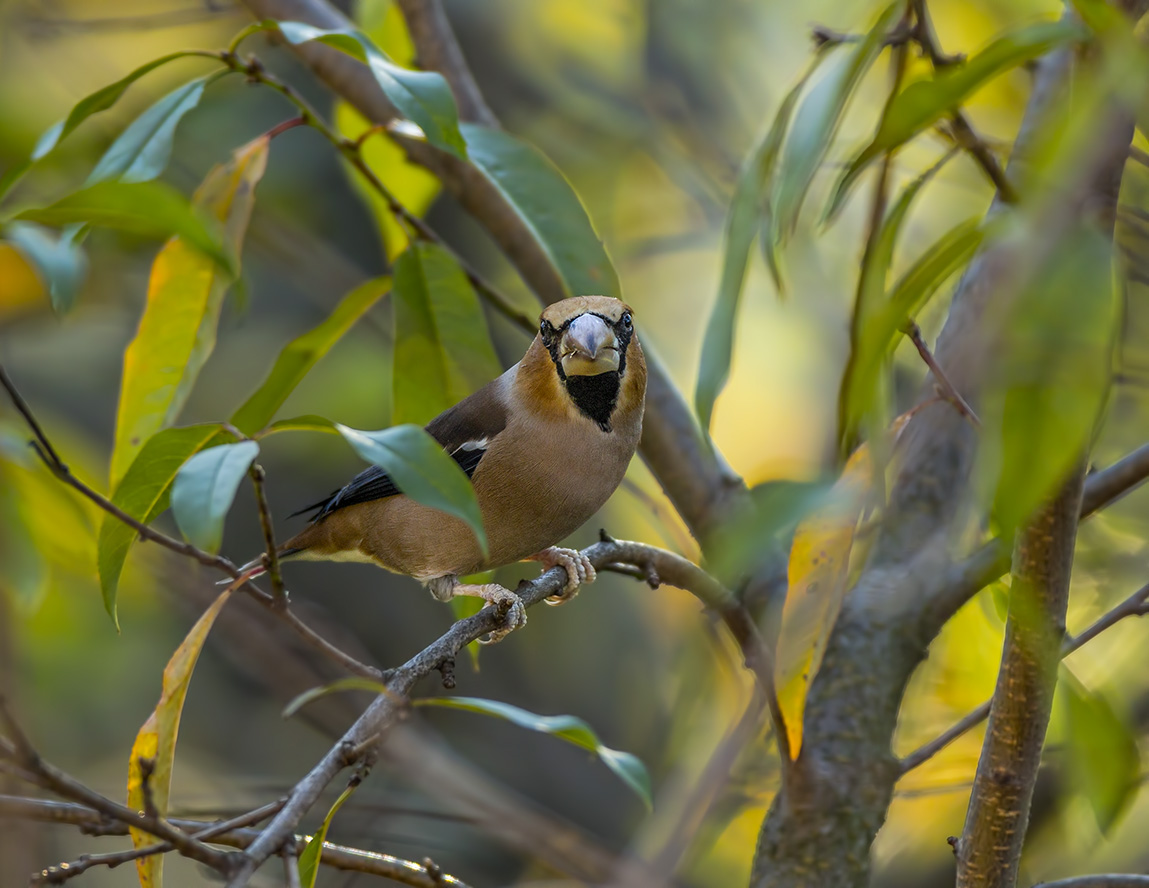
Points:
(648, 106)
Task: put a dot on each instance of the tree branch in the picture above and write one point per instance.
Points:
(1105, 880)
(341, 857)
(360, 739)
(989, 850)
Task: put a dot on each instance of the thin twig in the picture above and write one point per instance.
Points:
(51, 778)
(1133, 606)
(964, 135)
(57, 875)
(340, 857)
(271, 552)
(951, 394)
(51, 459)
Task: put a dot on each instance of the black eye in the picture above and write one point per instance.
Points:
(626, 322)
(545, 329)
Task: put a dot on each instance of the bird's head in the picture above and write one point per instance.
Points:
(592, 345)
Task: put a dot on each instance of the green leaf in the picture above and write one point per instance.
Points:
(156, 739)
(422, 97)
(143, 494)
(185, 296)
(566, 727)
(1051, 376)
(353, 683)
(60, 261)
(742, 222)
(442, 351)
(302, 353)
(422, 470)
(1104, 763)
(144, 148)
(816, 123)
(147, 208)
(869, 334)
(205, 488)
(546, 203)
(923, 103)
(309, 859)
(306, 423)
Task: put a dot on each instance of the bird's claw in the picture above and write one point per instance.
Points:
(578, 567)
(506, 603)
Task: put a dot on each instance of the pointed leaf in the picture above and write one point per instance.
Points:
(185, 296)
(302, 353)
(144, 148)
(566, 727)
(413, 186)
(306, 423)
(742, 222)
(353, 683)
(59, 260)
(442, 351)
(143, 494)
(148, 208)
(157, 739)
(1051, 377)
(872, 312)
(422, 470)
(819, 560)
(1104, 761)
(816, 124)
(313, 851)
(205, 488)
(546, 203)
(923, 103)
(422, 97)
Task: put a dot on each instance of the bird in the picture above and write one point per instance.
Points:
(545, 445)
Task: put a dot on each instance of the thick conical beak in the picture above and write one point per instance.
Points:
(588, 347)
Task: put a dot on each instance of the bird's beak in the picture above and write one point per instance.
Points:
(588, 347)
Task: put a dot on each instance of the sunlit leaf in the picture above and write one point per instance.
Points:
(313, 851)
(149, 208)
(412, 185)
(422, 470)
(143, 493)
(546, 204)
(873, 311)
(924, 102)
(442, 351)
(156, 740)
(566, 727)
(1050, 377)
(423, 97)
(144, 148)
(302, 353)
(59, 260)
(185, 295)
(1104, 762)
(742, 222)
(204, 489)
(305, 423)
(816, 123)
(817, 572)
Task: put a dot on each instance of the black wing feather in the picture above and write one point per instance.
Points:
(476, 418)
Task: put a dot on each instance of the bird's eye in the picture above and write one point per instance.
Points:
(545, 329)
(626, 322)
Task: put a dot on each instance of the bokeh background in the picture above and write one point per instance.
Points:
(648, 107)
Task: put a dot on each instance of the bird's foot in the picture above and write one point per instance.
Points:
(578, 567)
(506, 602)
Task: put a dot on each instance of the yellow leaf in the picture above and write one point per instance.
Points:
(20, 287)
(412, 186)
(817, 573)
(185, 294)
(156, 740)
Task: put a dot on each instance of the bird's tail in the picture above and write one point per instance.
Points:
(255, 568)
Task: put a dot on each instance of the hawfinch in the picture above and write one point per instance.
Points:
(545, 446)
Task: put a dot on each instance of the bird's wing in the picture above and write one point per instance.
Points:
(465, 431)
